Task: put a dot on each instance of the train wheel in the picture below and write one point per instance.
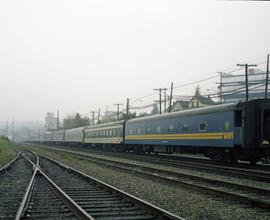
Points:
(253, 161)
(217, 156)
(229, 157)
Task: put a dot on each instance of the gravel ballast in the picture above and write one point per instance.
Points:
(180, 201)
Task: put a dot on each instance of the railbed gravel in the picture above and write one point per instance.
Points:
(180, 201)
(205, 174)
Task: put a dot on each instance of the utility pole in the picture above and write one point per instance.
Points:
(7, 129)
(246, 68)
(220, 86)
(106, 112)
(160, 90)
(127, 108)
(159, 99)
(118, 110)
(13, 130)
(165, 98)
(267, 72)
(57, 122)
(170, 109)
(98, 115)
(93, 117)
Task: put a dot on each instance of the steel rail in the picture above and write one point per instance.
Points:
(26, 197)
(172, 173)
(152, 209)
(201, 160)
(10, 162)
(29, 189)
(238, 172)
(74, 207)
(190, 184)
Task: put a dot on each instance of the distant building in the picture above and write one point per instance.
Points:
(200, 101)
(51, 123)
(110, 115)
(155, 109)
(179, 105)
(233, 87)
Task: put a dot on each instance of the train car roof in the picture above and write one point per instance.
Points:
(75, 129)
(190, 112)
(58, 131)
(109, 124)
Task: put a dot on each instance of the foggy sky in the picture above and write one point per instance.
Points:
(77, 56)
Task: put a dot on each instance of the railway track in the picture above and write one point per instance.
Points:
(14, 178)
(173, 159)
(80, 196)
(243, 173)
(254, 196)
(100, 200)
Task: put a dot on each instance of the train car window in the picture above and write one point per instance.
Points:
(202, 126)
(113, 132)
(138, 131)
(130, 131)
(185, 127)
(170, 128)
(147, 130)
(158, 129)
(120, 132)
(226, 125)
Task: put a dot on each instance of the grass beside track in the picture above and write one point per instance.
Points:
(6, 151)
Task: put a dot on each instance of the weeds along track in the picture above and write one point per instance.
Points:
(254, 196)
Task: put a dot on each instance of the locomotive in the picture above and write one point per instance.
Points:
(226, 132)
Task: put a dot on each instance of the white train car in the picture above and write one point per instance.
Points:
(108, 133)
(58, 137)
(48, 136)
(42, 136)
(74, 135)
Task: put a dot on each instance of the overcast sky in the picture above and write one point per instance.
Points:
(77, 56)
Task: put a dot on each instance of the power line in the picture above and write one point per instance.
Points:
(199, 81)
(118, 109)
(246, 75)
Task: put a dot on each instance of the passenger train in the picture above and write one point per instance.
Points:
(226, 132)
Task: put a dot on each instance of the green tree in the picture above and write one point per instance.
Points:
(74, 121)
(128, 116)
(197, 91)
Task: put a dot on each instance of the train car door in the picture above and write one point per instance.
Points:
(264, 126)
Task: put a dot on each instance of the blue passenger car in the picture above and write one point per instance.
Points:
(203, 127)
(222, 132)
